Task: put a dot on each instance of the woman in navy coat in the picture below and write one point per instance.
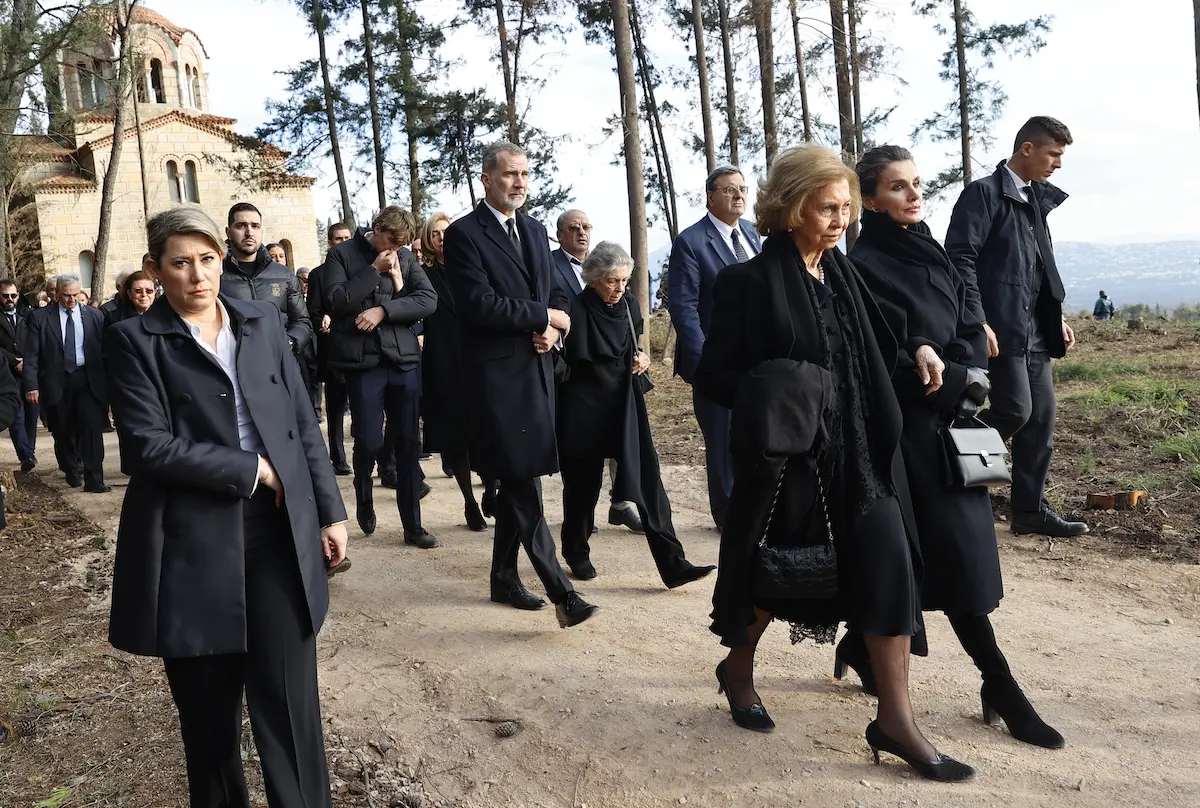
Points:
(231, 514)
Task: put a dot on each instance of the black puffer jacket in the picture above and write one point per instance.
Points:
(270, 281)
(993, 245)
(352, 285)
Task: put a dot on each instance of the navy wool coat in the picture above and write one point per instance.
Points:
(179, 581)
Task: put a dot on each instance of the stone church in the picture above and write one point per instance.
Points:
(189, 153)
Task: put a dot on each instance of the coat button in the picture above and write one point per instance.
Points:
(291, 435)
(231, 489)
(177, 343)
(185, 399)
(274, 380)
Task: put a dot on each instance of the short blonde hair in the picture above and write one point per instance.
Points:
(427, 257)
(179, 221)
(797, 174)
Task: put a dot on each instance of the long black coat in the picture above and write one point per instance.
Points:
(43, 343)
(992, 242)
(924, 303)
(503, 298)
(179, 580)
(443, 395)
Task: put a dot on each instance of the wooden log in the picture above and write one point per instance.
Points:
(1120, 501)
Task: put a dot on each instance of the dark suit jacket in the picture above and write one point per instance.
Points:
(178, 584)
(502, 297)
(10, 339)
(43, 355)
(697, 255)
(564, 276)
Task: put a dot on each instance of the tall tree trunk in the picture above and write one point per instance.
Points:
(510, 89)
(640, 282)
(14, 55)
(710, 149)
(657, 137)
(801, 75)
(320, 22)
(730, 89)
(414, 167)
(137, 126)
(1196, 22)
(855, 65)
(841, 63)
(109, 186)
(960, 46)
(764, 33)
(373, 101)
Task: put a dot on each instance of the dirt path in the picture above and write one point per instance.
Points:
(623, 711)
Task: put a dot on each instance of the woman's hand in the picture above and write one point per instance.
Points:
(641, 363)
(370, 319)
(993, 345)
(929, 369)
(333, 542)
(325, 323)
(268, 477)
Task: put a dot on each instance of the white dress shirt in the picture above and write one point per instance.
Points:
(63, 314)
(726, 232)
(504, 219)
(576, 267)
(1024, 185)
(226, 356)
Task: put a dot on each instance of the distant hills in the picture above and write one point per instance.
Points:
(1165, 273)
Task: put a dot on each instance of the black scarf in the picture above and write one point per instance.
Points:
(605, 335)
(913, 244)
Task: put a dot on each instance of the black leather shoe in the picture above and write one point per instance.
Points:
(573, 610)
(475, 520)
(1004, 700)
(420, 538)
(342, 567)
(595, 530)
(488, 503)
(754, 717)
(688, 574)
(942, 768)
(582, 570)
(342, 469)
(446, 470)
(852, 653)
(366, 517)
(1046, 523)
(519, 598)
(424, 456)
(29, 464)
(627, 517)
(423, 491)
(98, 489)
(387, 480)
(74, 482)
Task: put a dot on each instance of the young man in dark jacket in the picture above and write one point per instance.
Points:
(375, 291)
(1000, 243)
(249, 274)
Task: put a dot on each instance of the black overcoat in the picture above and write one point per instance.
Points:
(179, 580)
(502, 296)
(43, 343)
(443, 395)
(924, 303)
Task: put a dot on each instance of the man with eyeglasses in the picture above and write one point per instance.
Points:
(574, 240)
(718, 240)
(23, 430)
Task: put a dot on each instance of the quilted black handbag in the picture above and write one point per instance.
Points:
(976, 453)
(804, 572)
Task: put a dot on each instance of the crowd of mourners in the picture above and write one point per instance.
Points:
(832, 390)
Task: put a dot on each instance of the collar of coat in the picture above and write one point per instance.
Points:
(160, 318)
(1049, 196)
(262, 260)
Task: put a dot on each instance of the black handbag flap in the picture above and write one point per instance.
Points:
(977, 442)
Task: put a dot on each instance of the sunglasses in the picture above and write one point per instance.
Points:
(141, 291)
(10, 296)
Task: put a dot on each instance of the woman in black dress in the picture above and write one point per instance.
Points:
(602, 415)
(443, 407)
(923, 300)
(801, 304)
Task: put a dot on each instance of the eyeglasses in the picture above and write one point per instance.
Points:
(730, 190)
(580, 228)
(10, 296)
(141, 291)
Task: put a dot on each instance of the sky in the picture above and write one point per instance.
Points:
(1120, 74)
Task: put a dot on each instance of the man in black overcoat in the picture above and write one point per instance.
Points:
(1000, 244)
(23, 429)
(64, 374)
(512, 314)
(334, 380)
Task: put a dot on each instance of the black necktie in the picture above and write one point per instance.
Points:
(69, 343)
(738, 249)
(512, 233)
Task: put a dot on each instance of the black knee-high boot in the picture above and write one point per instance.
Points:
(1001, 695)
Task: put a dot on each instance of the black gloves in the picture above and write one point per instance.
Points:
(974, 394)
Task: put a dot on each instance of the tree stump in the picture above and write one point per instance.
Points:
(1120, 501)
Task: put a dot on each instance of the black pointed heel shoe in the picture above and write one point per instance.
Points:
(1005, 701)
(852, 653)
(754, 717)
(942, 768)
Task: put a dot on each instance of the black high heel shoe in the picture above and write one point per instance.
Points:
(942, 768)
(754, 717)
(852, 653)
(1006, 701)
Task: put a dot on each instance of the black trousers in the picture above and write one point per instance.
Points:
(520, 521)
(1022, 407)
(396, 392)
(278, 673)
(335, 413)
(23, 431)
(718, 462)
(77, 423)
(582, 478)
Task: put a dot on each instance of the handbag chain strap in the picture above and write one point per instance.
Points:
(820, 492)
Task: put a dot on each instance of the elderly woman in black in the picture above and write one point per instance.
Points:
(802, 357)
(942, 351)
(231, 514)
(602, 414)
